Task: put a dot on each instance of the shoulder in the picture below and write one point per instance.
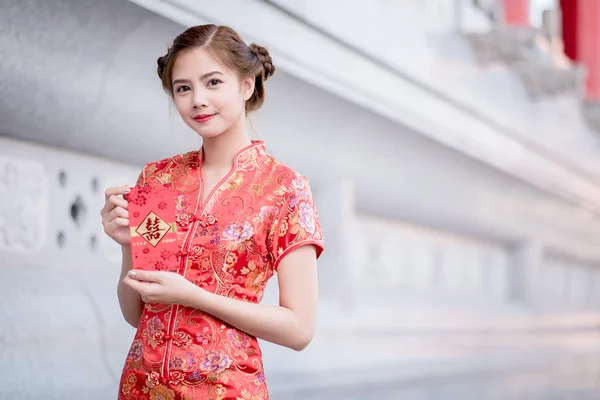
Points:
(289, 183)
(285, 176)
(153, 171)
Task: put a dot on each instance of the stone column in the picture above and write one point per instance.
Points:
(588, 54)
(525, 271)
(338, 271)
(568, 11)
(588, 45)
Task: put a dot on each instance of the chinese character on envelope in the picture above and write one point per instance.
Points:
(152, 221)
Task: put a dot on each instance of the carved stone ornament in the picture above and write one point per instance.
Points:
(516, 47)
(507, 44)
(23, 205)
(546, 80)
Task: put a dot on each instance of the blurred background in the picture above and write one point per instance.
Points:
(452, 147)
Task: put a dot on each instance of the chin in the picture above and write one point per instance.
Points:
(205, 136)
(207, 132)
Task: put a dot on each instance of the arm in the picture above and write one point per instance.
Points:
(130, 300)
(115, 219)
(292, 323)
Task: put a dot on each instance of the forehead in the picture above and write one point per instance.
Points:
(196, 62)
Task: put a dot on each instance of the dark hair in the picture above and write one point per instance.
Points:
(230, 49)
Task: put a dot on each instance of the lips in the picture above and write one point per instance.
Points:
(202, 118)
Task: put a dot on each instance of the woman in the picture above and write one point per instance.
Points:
(197, 328)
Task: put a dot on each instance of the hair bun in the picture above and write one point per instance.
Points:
(162, 64)
(265, 58)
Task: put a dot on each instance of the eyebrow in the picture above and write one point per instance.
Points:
(207, 75)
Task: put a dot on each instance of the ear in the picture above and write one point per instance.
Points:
(247, 86)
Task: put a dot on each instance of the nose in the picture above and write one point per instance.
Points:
(200, 99)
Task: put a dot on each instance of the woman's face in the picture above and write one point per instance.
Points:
(209, 96)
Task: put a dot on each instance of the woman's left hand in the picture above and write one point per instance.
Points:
(161, 286)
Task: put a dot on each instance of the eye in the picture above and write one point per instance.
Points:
(182, 89)
(214, 82)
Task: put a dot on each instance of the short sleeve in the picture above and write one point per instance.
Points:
(297, 223)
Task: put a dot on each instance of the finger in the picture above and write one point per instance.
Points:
(142, 276)
(142, 288)
(112, 202)
(135, 285)
(116, 224)
(116, 213)
(108, 217)
(116, 191)
(117, 201)
(106, 209)
(121, 221)
(146, 276)
(145, 286)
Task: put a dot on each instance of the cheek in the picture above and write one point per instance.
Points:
(181, 104)
(231, 103)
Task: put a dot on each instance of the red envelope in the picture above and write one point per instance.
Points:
(152, 221)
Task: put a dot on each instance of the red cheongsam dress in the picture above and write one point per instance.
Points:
(231, 246)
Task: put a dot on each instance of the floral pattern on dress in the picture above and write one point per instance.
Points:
(259, 213)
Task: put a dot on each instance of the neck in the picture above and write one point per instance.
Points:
(220, 151)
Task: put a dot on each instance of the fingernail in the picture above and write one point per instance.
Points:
(131, 273)
(127, 190)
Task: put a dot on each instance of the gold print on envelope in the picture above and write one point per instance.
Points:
(153, 229)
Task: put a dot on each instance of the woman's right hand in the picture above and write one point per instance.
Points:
(115, 216)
